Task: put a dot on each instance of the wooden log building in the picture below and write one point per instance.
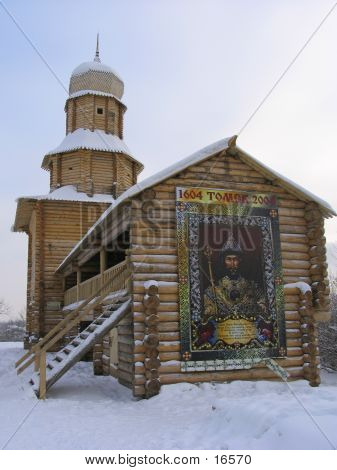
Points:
(125, 269)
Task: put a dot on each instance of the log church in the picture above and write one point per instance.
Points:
(213, 269)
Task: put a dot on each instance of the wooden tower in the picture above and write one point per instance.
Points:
(89, 169)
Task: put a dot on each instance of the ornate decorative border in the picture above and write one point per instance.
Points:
(189, 216)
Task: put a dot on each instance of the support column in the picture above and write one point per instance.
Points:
(78, 282)
(41, 285)
(102, 260)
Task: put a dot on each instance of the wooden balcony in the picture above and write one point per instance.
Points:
(119, 275)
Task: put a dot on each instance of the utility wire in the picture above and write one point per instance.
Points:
(288, 68)
(44, 60)
(314, 421)
(20, 424)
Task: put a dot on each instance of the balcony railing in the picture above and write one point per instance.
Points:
(119, 275)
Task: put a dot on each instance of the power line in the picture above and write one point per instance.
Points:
(20, 425)
(288, 68)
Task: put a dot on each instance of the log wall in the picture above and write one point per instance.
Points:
(125, 335)
(82, 113)
(59, 225)
(153, 256)
(93, 172)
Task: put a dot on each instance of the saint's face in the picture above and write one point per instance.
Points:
(232, 262)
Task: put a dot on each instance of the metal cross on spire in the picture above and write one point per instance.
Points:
(97, 59)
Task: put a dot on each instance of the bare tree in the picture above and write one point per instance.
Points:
(5, 309)
(11, 329)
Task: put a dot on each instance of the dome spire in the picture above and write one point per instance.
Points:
(97, 59)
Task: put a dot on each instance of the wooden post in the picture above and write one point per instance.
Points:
(93, 114)
(63, 281)
(73, 123)
(106, 114)
(37, 360)
(102, 260)
(43, 363)
(58, 170)
(78, 282)
(40, 211)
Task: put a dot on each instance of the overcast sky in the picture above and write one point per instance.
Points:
(194, 71)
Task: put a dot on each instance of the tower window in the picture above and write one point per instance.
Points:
(100, 110)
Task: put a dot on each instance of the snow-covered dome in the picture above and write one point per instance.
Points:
(96, 76)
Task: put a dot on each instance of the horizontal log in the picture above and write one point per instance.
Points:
(291, 279)
(155, 268)
(164, 288)
(140, 250)
(293, 229)
(298, 221)
(154, 258)
(295, 255)
(295, 272)
(294, 247)
(137, 297)
(294, 238)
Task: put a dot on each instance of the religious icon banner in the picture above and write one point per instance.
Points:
(230, 278)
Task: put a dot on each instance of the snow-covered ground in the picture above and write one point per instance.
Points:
(87, 412)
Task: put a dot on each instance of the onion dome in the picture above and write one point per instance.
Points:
(95, 76)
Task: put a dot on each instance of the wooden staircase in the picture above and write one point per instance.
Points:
(79, 346)
(114, 307)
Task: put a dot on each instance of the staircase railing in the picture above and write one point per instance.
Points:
(86, 288)
(37, 354)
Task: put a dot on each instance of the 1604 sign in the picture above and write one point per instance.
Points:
(230, 278)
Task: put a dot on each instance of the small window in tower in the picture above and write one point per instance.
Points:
(100, 110)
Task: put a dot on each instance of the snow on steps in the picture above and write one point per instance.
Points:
(79, 346)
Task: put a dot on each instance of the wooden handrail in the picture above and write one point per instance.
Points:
(62, 327)
(85, 288)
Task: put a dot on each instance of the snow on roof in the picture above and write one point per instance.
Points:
(64, 193)
(93, 66)
(194, 159)
(76, 94)
(91, 140)
(69, 193)
(286, 182)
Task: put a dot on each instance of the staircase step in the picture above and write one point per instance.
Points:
(79, 346)
(106, 314)
(84, 334)
(91, 328)
(59, 358)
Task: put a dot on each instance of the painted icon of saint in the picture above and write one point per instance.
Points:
(233, 295)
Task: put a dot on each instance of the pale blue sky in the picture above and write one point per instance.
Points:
(193, 71)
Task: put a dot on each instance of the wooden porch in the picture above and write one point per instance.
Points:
(118, 275)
